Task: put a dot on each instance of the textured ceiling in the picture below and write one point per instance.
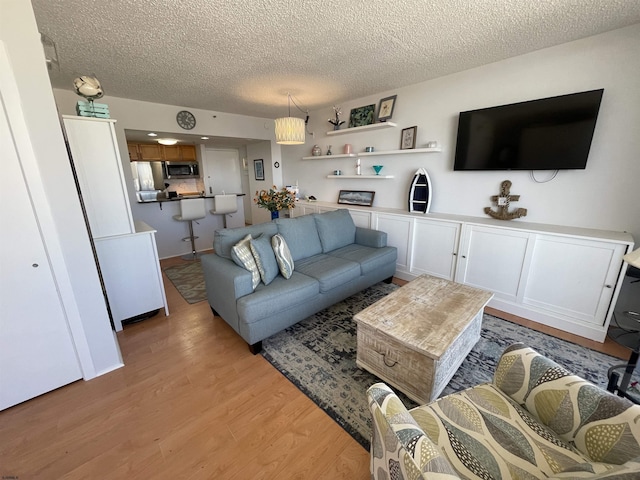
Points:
(243, 56)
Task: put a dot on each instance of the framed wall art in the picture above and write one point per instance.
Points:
(362, 116)
(385, 110)
(258, 168)
(356, 197)
(408, 138)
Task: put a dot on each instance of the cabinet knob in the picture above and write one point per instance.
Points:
(454, 254)
(608, 286)
(464, 256)
(35, 265)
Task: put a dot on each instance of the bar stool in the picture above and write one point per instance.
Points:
(224, 204)
(191, 209)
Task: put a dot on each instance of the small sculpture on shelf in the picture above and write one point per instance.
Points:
(329, 150)
(337, 122)
(316, 151)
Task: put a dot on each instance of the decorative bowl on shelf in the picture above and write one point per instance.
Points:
(377, 168)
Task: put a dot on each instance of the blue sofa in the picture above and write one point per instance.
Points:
(333, 259)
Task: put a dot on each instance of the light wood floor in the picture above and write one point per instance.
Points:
(190, 403)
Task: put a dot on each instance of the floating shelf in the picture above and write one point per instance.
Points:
(373, 154)
(368, 177)
(373, 126)
(322, 157)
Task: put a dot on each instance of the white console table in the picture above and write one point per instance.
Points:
(564, 277)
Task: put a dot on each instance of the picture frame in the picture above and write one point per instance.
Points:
(363, 198)
(258, 168)
(362, 116)
(408, 138)
(385, 110)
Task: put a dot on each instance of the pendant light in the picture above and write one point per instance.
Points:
(290, 130)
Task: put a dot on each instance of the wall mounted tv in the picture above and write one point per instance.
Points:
(547, 134)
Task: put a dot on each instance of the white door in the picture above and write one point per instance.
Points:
(434, 248)
(36, 349)
(221, 171)
(493, 259)
(573, 277)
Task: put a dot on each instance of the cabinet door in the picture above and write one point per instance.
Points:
(434, 248)
(171, 153)
(573, 277)
(97, 161)
(493, 259)
(134, 154)
(150, 151)
(188, 153)
(322, 209)
(399, 230)
(303, 209)
(360, 218)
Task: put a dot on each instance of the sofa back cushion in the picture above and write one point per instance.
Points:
(602, 426)
(335, 229)
(224, 240)
(301, 236)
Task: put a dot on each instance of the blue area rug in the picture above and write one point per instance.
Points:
(319, 356)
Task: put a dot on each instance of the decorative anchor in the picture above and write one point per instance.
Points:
(503, 201)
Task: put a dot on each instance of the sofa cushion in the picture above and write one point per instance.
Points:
(301, 236)
(335, 229)
(225, 239)
(265, 258)
(370, 259)
(278, 296)
(331, 272)
(241, 254)
(283, 255)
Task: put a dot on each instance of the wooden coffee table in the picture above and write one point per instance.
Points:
(416, 338)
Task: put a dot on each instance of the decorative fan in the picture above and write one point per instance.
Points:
(88, 87)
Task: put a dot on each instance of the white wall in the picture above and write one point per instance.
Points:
(605, 196)
(75, 268)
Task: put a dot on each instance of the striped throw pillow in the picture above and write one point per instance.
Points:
(242, 256)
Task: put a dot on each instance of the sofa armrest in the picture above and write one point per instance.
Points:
(601, 425)
(225, 283)
(371, 238)
(399, 445)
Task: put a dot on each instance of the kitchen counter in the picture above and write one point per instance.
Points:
(179, 197)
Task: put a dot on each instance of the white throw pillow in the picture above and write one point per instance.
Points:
(283, 255)
(242, 256)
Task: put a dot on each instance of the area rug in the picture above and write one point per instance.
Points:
(318, 355)
(189, 281)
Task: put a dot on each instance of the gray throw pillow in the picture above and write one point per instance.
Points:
(265, 258)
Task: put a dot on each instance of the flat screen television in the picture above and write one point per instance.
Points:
(547, 134)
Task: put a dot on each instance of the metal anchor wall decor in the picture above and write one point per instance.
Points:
(503, 201)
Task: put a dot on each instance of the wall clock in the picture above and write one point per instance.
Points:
(186, 119)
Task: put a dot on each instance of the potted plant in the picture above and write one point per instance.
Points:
(275, 200)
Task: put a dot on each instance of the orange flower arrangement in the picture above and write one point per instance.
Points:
(275, 200)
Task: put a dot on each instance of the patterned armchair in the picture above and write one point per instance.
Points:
(536, 420)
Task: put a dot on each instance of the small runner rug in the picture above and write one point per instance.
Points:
(318, 355)
(189, 280)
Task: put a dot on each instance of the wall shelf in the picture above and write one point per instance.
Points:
(368, 177)
(373, 126)
(373, 154)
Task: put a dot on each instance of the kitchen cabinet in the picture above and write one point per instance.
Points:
(150, 152)
(179, 153)
(188, 153)
(434, 248)
(154, 152)
(134, 152)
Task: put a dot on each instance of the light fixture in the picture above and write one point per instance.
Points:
(290, 130)
(151, 134)
(167, 141)
(633, 258)
(204, 138)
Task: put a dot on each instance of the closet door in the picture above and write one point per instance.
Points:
(36, 349)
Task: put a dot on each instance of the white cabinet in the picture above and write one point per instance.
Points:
(127, 253)
(97, 162)
(399, 230)
(360, 218)
(434, 248)
(303, 208)
(493, 259)
(573, 277)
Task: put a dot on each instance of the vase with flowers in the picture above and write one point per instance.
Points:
(275, 200)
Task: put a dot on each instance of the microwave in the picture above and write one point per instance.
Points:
(181, 170)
